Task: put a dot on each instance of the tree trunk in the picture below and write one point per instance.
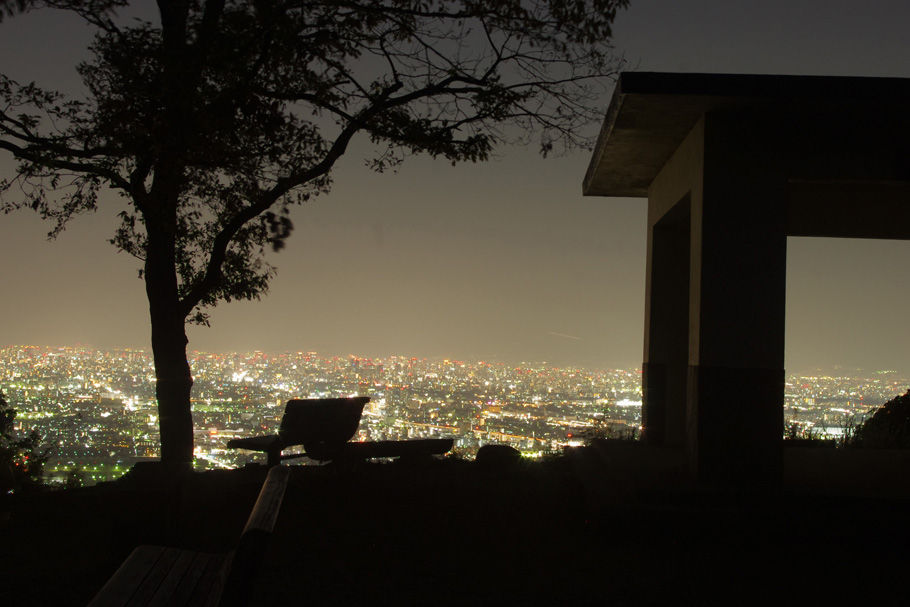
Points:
(172, 388)
(172, 370)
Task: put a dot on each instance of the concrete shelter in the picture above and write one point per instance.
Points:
(731, 165)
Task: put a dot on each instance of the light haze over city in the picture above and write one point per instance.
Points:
(502, 260)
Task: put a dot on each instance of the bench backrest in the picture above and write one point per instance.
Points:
(316, 421)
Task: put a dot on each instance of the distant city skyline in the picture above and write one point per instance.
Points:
(835, 370)
(503, 260)
(98, 406)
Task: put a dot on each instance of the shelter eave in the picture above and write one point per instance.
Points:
(639, 134)
(650, 114)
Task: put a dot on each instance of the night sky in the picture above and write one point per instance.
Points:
(503, 260)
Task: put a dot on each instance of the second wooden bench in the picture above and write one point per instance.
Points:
(161, 575)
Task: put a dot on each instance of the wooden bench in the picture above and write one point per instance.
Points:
(323, 427)
(160, 575)
(307, 422)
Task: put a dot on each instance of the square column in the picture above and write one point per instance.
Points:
(738, 296)
(668, 293)
(666, 360)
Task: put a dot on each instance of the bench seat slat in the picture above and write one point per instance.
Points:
(156, 574)
(382, 448)
(207, 588)
(183, 576)
(129, 576)
(162, 576)
(198, 579)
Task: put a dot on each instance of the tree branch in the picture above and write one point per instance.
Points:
(56, 163)
(283, 186)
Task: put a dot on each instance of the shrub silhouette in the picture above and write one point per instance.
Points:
(21, 462)
(889, 426)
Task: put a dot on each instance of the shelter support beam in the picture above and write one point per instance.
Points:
(738, 278)
(716, 291)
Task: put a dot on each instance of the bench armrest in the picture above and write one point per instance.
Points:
(268, 504)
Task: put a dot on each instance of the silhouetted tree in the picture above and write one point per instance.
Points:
(75, 478)
(21, 459)
(888, 428)
(214, 117)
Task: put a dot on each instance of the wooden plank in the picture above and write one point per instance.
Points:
(202, 578)
(156, 575)
(268, 504)
(120, 588)
(395, 448)
(180, 569)
(247, 559)
(254, 443)
(209, 589)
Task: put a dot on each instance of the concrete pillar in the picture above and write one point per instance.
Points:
(738, 285)
(668, 294)
(664, 371)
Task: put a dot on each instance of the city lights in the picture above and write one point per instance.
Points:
(97, 408)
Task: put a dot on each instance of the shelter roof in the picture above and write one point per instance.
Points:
(651, 113)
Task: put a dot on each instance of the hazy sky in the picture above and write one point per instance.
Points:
(500, 260)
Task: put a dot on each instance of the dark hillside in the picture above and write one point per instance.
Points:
(455, 533)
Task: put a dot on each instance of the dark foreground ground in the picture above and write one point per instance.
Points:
(455, 533)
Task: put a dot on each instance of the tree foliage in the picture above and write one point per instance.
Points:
(888, 428)
(267, 96)
(214, 118)
(21, 458)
